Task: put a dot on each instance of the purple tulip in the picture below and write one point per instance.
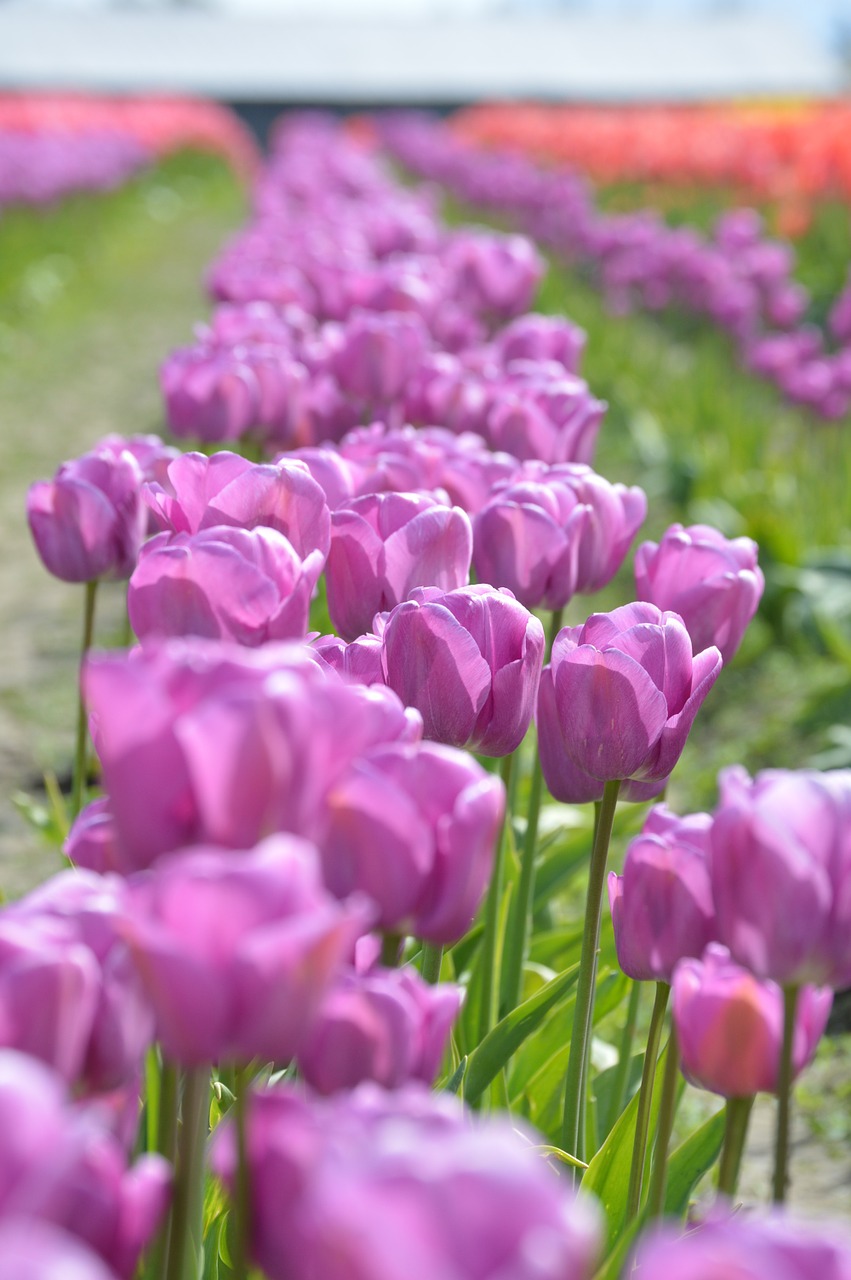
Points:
(217, 744)
(245, 585)
(91, 841)
(80, 913)
(781, 873)
(469, 661)
(59, 1167)
(389, 1026)
(359, 661)
(236, 951)
(662, 904)
(742, 1246)
(555, 531)
(618, 701)
(493, 275)
(414, 828)
(730, 1025)
(536, 337)
(360, 1185)
(211, 394)
(553, 419)
(32, 1250)
(384, 545)
(89, 521)
(714, 583)
(226, 489)
(378, 354)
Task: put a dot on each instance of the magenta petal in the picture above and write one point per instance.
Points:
(611, 712)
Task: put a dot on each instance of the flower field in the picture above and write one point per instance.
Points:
(455, 778)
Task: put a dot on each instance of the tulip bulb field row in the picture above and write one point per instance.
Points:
(342, 979)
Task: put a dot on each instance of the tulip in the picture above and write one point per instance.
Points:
(210, 394)
(469, 661)
(414, 828)
(384, 545)
(245, 585)
(88, 522)
(712, 582)
(388, 1026)
(58, 1167)
(781, 873)
(743, 1246)
(236, 952)
(730, 1025)
(618, 701)
(662, 904)
(535, 337)
(554, 531)
(359, 661)
(493, 275)
(226, 489)
(373, 1177)
(378, 355)
(218, 744)
(82, 913)
(39, 1251)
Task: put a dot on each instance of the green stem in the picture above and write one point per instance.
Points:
(390, 948)
(737, 1115)
(489, 955)
(163, 1141)
(667, 1111)
(188, 1198)
(784, 1096)
(645, 1099)
(583, 1016)
(81, 751)
(515, 943)
(242, 1199)
(621, 1080)
(432, 959)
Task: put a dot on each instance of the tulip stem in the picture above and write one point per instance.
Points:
(242, 1198)
(621, 1081)
(165, 1144)
(584, 1009)
(78, 784)
(391, 944)
(521, 910)
(490, 959)
(737, 1115)
(784, 1096)
(645, 1100)
(188, 1199)
(667, 1111)
(432, 958)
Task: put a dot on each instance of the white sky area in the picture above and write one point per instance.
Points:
(822, 20)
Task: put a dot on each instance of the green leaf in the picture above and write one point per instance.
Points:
(507, 1036)
(455, 1081)
(608, 1172)
(613, 1264)
(690, 1161)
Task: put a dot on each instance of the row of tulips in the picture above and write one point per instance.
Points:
(789, 153)
(298, 902)
(739, 279)
(53, 145)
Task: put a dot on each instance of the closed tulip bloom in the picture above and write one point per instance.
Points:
(227, 489)
(89, 521)
(414, 828)
(730, 1025)
(555, 531)
(39, 1251)
(743, 1246)
(469, 661)
(618, 700)
(662, 904)
(389, 1026)
(380, 1184)
(245, 585)
(384, 545)
(81, 910)
(379, 353)
(714, 583)
(236, 951)
(538, 337)
(359, 661)
(218, 744)
(59, 1167)
(494, 275)
(210, 394)
(781, 873)
(91, 841)
(557, 422)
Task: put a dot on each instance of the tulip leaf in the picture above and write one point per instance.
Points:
(507, 1036)
(456, 1080)
(690, 1162)
(612, 1267)
(608, 1172)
